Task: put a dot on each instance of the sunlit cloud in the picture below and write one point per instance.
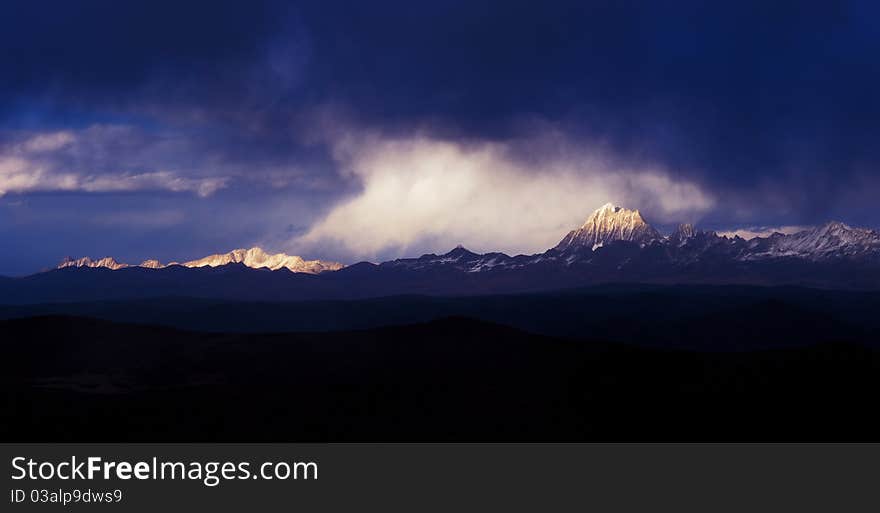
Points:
(419, 193)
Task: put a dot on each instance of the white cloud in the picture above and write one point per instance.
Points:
(158, 180)
(47, 142)
(80, 161)
(422, 193)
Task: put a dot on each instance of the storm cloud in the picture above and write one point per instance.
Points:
(312, 125)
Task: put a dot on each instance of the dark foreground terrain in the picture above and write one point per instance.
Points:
(704, 317)
(81, 379)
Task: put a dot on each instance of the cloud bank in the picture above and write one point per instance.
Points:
(97, 159)
(765, 111)
(420, 192)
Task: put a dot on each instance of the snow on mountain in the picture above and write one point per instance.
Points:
(257, 258)
(107, 262)
(600, 241)
(253, 257)
(682, 233)
(607, 224)
(685, 246)
(831, 240)
(461, 259)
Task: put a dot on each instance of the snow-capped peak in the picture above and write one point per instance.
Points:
(108, 262)
(609, 223)
(254, 257)
(151, 264)
(830, 240)
(257, 258)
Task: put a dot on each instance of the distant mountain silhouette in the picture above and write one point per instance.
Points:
(711, 318)
(615, 245)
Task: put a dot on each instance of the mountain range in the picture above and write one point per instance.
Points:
(616, 235)
(616, 325)
(614, 245)
(255, 258)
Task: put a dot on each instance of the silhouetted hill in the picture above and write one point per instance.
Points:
(452, 379)
(705, 317)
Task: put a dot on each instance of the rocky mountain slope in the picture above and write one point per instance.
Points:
(610, 223)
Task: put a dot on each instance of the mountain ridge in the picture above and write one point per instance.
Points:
(622, 250)
(607, 226)
(614, 229)
(254, 258)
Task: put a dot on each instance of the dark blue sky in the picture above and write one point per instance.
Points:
(350, 130)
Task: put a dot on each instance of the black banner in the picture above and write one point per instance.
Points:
(442, 477)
